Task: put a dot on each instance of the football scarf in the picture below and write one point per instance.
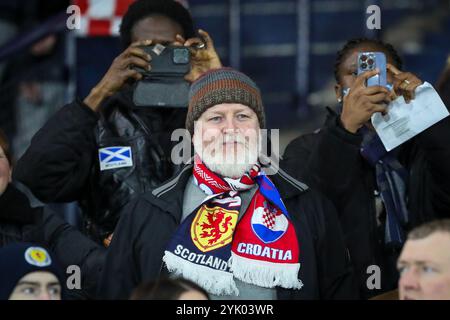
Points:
(212, 248)
(392, 179)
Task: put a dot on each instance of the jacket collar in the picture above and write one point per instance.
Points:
(169, 196)
(15, 207)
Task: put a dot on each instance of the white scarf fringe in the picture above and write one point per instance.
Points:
(266, 274)
(216, 282)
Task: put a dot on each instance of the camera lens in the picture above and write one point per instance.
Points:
(370, 62)
(181, 56)
(363, 58)
(363, 65)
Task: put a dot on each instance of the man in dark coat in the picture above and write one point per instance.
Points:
(226, 224)
(338, 161)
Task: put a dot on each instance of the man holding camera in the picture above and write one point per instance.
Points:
(104, 150)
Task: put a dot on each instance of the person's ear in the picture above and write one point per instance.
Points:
(338, 92)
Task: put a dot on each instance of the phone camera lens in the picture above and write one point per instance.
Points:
(181, 56)
(363, 58)
(370, 62)
(363, 65)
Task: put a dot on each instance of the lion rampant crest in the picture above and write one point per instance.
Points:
(213, 228)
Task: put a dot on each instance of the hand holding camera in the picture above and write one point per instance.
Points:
(203, 55)
(120, 71)
(174, 67)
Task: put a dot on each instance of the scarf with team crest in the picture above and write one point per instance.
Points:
(212, 248)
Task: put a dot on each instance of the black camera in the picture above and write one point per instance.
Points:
(164, 84)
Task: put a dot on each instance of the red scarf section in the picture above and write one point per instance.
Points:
(264, 247)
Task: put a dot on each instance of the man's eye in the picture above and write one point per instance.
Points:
(401, 269)
(426, 269)
(215, 119)
(29, 291)
(242, 116)
(54, 291)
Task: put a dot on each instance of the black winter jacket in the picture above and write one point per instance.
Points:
(330, 160)
(63, 162)
(16, 216)
(148, 223)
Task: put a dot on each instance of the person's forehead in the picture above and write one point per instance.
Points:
(39, 277)
(434, 248)
(350, 59)
(228, 108)
(192, 295)
(157, 28)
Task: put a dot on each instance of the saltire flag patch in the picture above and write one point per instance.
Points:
(115, 157)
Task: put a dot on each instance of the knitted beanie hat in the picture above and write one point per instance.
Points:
(19, 259)
(224, 85)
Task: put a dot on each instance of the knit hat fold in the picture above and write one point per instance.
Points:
(224, 85)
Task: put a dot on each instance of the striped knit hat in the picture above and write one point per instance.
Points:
(224, 85)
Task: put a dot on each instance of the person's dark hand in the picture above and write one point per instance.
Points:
(405, 83)
(361, 102)
(119, 72)
(202, 59)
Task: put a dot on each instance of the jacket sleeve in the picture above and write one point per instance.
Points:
(72, 248)
(136, 250)
(120, 272)
(58, 162)
(328, 161)
(436, 143)
(336, 276)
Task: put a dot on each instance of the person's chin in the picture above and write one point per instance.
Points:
(229, 168)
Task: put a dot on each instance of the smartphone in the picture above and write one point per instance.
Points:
(368, 61)
(167, 60)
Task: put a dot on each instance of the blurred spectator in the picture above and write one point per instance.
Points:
(33, 86)
(424, 263)
(5, 162)
(15, 207)
(379, 195)
(63, 162)
(29, 272)
(169, 289)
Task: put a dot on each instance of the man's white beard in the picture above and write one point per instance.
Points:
(229, 165)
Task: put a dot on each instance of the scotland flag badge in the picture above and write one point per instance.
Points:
(115, 157)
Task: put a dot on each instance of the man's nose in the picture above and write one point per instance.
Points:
(229, 125)
(409, 280)
(44, 295)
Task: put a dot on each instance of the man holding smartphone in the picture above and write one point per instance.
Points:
(379, 195)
